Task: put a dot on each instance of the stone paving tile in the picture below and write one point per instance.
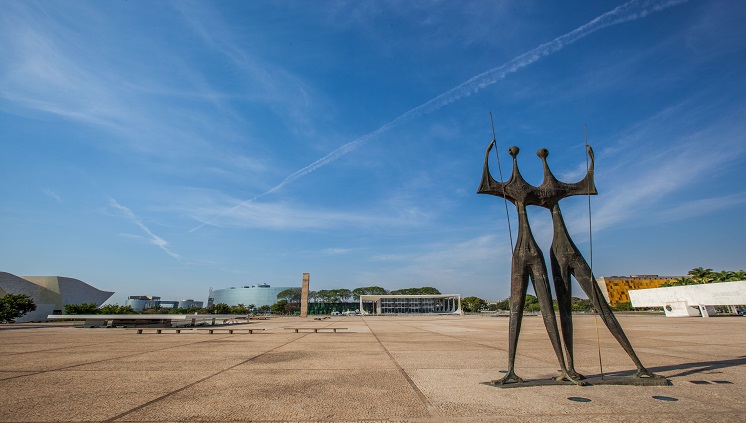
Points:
(354, 377)
(8, 375)
(290, 395)
(299, 359)
(84, 395)
(492, 359)
(447, 345)
(483, 400)
(348, 345)
(54, 360)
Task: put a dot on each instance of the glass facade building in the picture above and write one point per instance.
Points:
(259, 295)
(411, 304)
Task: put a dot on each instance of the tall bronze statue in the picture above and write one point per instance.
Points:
(528, 262)
(566, 261)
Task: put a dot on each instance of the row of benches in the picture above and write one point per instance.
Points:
(231, 330)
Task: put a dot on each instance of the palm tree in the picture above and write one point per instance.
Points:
(681, 281)
(700, 275)
(723, 275)
(699, 272)
(738, 275)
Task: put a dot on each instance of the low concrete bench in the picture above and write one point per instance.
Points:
(157, 330)
(316, 330)
(229, 330)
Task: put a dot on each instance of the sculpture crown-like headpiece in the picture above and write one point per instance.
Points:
(551, 190)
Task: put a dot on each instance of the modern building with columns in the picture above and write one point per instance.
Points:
(410, 304)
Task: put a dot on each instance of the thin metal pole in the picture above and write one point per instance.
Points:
(500, 171)
(590, 236)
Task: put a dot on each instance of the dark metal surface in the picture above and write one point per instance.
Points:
(566, 261)
(528, 262)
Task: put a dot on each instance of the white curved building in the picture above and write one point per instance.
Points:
(50, 293)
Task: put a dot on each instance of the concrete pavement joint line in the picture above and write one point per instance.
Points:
(432, 409)
(106, 359)
(51, 349)
(455, 337)
(141, 406)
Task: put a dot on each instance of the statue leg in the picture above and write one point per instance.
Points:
(590, 286)
(544, 295)
(563, 289)
(518, 286)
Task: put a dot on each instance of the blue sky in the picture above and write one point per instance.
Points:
(163, 148)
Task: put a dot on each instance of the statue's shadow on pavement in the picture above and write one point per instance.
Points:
(628, 378)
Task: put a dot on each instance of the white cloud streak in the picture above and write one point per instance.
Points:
(150, 236)
(286, 216)
(630, 11)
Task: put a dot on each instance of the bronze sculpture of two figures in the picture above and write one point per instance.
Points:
(566, 261)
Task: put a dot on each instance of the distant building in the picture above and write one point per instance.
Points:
(142, 302)
(50, 293)
(147, 302)
(190, 304)
(692, 300)
(411, 304)
(259, 295)
(616, 288)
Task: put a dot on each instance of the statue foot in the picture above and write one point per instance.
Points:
(511, 377)
(575, 375)
(645, 373)
(570, 378)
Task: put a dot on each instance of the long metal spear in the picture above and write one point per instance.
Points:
(590, 236)
(500, 170)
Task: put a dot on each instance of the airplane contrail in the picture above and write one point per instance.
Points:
(630, 11)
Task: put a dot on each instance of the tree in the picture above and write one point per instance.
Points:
(13, 306)
(531, 304)
(700, 275)
(473, 304)
(343, 294)
(723, 276)
(85, 308)
(239, 309)
(425, 290)
(291, 308)
(367, 290)
(115, 309)
(327, 296)
(291, 295)
(739, 275)
(265, 308)
(503, 305)
(279, 307)
(581, 304)
(220, 308)
(624, 306)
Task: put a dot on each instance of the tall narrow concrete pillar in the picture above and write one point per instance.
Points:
(304, 295)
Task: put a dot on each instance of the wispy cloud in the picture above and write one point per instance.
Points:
(701, 207)
(55, 69)
(448, 265)
(630, 11)
(149, 235)
(646, 175)
(53, 195)
(202, 205)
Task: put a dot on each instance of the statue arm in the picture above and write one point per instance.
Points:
(488, 184)
(587, 185)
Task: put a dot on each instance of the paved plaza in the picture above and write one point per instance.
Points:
(397, 368)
